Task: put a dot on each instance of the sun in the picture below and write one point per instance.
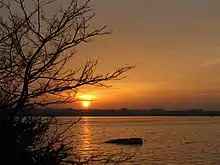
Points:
(86, 104)
(86, 100)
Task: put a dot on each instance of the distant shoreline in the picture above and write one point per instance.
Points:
(122, 112)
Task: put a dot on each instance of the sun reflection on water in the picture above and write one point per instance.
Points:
(86, 138)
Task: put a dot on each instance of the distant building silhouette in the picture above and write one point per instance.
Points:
(157, 110)
(124, 109)
(195, 110)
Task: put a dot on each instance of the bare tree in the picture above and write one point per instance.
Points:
(35, 45)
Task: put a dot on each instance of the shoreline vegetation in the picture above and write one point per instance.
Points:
(121, 112)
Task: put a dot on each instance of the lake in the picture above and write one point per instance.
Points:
(167, 140)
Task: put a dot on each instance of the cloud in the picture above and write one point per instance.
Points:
(211, 91)
(211, 63)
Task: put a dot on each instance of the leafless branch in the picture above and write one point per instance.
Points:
(35, 47)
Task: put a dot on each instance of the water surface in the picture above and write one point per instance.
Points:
(167, 140)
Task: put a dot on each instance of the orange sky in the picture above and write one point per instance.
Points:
(175, 43)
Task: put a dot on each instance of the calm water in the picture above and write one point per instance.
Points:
(167, 140)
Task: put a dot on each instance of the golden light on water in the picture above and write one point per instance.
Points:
(86, 137)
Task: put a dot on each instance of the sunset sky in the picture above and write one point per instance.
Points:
(176, 45)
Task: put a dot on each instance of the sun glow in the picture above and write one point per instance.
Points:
(86, 104)
(86, 100)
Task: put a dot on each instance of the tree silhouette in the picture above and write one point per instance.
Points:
(35, 46)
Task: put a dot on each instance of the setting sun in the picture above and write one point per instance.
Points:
(86, 100)
(86, 103)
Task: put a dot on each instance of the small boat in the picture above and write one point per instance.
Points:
(126, 141)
